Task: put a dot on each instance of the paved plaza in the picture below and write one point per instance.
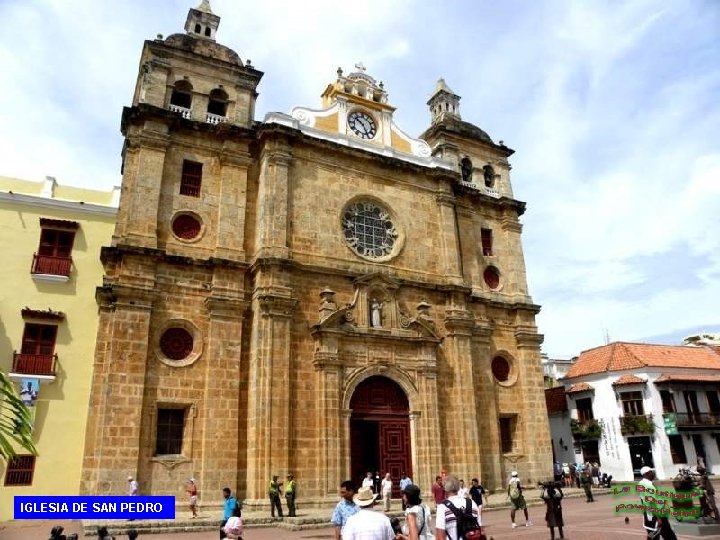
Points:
(584, 521)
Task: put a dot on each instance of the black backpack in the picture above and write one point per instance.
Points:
(468, 527)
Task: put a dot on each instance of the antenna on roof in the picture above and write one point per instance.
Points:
(606, 336)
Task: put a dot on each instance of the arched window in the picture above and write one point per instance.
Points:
(182, 95)
(218, 102)
(207, 31)
(489, 175)
(198, 28)
(466, 169)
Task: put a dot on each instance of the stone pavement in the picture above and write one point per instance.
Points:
(583, 522)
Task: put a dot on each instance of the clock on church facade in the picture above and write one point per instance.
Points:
(308, 294)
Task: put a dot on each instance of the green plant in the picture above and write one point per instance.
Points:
(637, 424)
(590, 429)
(15, 421)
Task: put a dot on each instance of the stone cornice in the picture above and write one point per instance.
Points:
(44, 202)
(115, 253)
(528, 337)
(227, 308)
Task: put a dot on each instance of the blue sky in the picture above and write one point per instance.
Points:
(613, 109)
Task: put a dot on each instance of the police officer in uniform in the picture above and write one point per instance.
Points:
(274, 494)
(290, 494)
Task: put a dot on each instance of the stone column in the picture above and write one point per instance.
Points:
(448, 238)
(533, 426)
(427, 449)
(460, 415)
(491, 458)
(112, 442)
(270, 435)
(272, 218)
(329, 405)
(140, 196)
(232, 204)
(515, 278)
(222, 394)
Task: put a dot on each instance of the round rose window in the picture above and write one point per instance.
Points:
(369, 230)
(186, 226)
(500, 368)
(176, 343)
(492, 277)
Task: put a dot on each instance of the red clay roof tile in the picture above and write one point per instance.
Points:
(620, 356)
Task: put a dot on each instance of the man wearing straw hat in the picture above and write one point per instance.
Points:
(367, 524)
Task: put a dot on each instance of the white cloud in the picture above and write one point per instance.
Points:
(613, 112)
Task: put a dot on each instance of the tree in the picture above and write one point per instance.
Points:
(15, 420)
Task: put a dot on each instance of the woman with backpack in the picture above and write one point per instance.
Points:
(417, 516)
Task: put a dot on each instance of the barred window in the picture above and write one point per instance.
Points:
(170, 425)
(191, 178)
(20, 471)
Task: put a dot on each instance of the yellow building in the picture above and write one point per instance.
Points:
(51, 238)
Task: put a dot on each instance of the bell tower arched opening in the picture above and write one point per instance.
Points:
(380, 430)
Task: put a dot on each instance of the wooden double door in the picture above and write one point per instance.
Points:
(380, 431)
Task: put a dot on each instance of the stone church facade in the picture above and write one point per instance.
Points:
(317, 293)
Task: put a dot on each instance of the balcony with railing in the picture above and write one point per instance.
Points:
(185, 113)
(699, 420)
(637, 424)
(34, 364)
(51, 266)
(215, 118)
(586, 429)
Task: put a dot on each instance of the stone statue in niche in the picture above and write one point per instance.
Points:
(375, 313)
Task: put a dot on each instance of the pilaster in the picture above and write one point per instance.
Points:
(272, 219)
(223, 392)
(140, 197)
(270, 391)
(535, 424)
(460, 413)
(448, 236)
(112, 447)
(232, 205)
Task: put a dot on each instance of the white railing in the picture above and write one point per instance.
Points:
(185, 113)
(483, 189)
(215, 118)
(469, 185)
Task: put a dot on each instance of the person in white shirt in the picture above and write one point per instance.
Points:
(367, 524)
(463, 491)
(656, 526)
(445, 521)
(133, 487)
(386, 489)
(368, 481)
(417, 516)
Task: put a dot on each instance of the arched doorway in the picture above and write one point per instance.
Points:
(380, 430)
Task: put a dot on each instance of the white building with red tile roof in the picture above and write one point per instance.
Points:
(635, 404)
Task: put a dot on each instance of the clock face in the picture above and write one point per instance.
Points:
(362, 124)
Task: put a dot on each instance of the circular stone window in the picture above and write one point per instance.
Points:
(500, 369)
(187, 226)
(176, 343)
(369, 230)
(492, 277)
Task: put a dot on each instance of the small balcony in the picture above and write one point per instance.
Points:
(215, 118)
(585, 430)
(637, 424)
(34, 364)
(51, 266)
(697, 420)
(185, 113)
